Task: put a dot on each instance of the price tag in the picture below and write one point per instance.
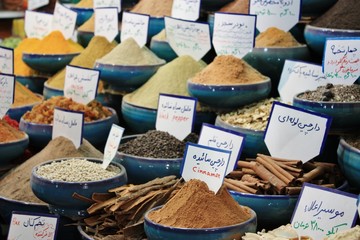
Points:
(342, 60)
(206, 164)
(217, 137)
(358, 205)
(6, 60)
(64, 20)
(176, 115)
(281, 14)
(69, 124)
(112, 144)
(32, 226)
(185, 9)
(106, 23)
(7, 89)
(135, 26)
(35, 4)
(321, 212)
(108, 4)
(81, 84)
(290, 130)
(188, 38)
(234, 34)
(37, 24)
(297, 77)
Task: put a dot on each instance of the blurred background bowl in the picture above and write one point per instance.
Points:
(213, 5)
(17, 112)
(315, 8)
(163, 50)
(12, 150)
(83, 38)
(156, 24)
(34, 83)
(83, 14)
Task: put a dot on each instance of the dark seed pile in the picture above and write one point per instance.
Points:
(353, 141)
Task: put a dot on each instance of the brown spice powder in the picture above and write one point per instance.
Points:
(274, 37)
(89, 25)
(154, 8)
(237, 6)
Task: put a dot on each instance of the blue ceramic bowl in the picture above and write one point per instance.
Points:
(17, 112)
(83, 14)
(163, 50)
(314, 8)
(95, 132)
(83, 38)
(34, 83)
(126, 78)
(12, 150)
(213, 5)
(48, 63)
(156, 24)
(58, 194)
(315, 37)
(349, 162)
(227, 97)
(155, 231)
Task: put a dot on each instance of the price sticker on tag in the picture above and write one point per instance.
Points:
(234, 34)
(342, 60)
(64, 20)
(7, 89)
(106, 23)
(108, 4)
(112, 144)
(6, 60)
(185, 9)
(37, 24)
(290, 130)
(206, 164)
(188, 38)
(35, 4)
(135, 26)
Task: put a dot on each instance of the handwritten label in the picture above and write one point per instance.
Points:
(112, 144)
(217, 137)
(234, 34)
(188, 38)
(206, 164)
(108, 4)
(176, 115)
(64, 20)
(106, 23)
(290, 130)
(7, 88)
(37, 24)
(283, 14)
(358, 205)
(135, 26)
(81, 84)
(6, 60)
(186, 9)
(68, 124)
(297, 77)
(322, 212)
(34, 4)
(341, 63)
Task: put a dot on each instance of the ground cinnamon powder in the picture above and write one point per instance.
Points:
(153, 7)
(195, 206)
(237, 6)
(274, 37)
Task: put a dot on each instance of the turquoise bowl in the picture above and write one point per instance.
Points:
(17, 112)
(227, 97)
(48, 63)
(156, 24)
(12, 150)
(213, 5)
(83, 38)
(83, 14)
(163, 50)
(315, 8)
(34, 83)
(59, 194)
(155, 231)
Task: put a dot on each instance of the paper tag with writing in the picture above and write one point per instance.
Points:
(290, 130)
(281, 14)
(321, 212)
(234, 34)
(185, 9)
(358, 205)
(64, 20)
(108, 4)
(176, 115)
(206, 164)
(7, 89)
(341, 63)
(69, 124)
(188, 38)
(106, 23)
(37, 24)
(135, 26)
(6, 60)
(112, 144)
(217, 137)
(35, 4)
(297, 77)
(81, 84)
(26, 225)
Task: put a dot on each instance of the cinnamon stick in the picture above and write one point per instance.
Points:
(307, 177)
(234, 188)
(265, 174)
(240, 184)
(244, 164)
(275, 169)
(297, 163)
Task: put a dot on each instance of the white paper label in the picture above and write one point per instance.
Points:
(108, 4)
(34, 4)
(64, 20)
(188, 38)
(81, 84)
(297, 77)
(234, 34)
(112, 144)
(106, 23)
(322, 212)
(216, 137)
(6, 60)
(341, 63)
(290, 130)
(185, 9)
(135, 26)
(176, 115)
(206, 164)
(283, 14)
(358, 205)
(7, 89)
(68, 124)
(32, 226)
(37, 24)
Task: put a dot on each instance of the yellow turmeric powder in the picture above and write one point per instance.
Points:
(85, 4)
(89, 25)
(23, 96)
(20, 67)
(274, 37)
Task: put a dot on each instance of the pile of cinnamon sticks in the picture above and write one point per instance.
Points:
(269, 175)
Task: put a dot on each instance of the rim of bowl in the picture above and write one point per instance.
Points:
(82, 8)
(23, 202)
(33, 77)
(266, 81)
(99, 64)
(263, 196)
(84, 32)
(218, 118)
(348, 146)
(331, 29)
(46, 55)
(137, 106)
(24, 139)
(298, 99)
(261, 49)
(31, 104)
(82, 232)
